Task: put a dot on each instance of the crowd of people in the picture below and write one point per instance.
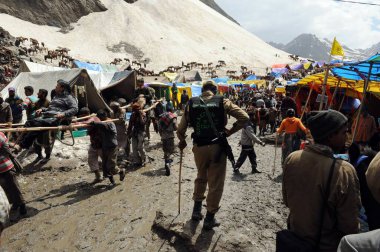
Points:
(326, 182)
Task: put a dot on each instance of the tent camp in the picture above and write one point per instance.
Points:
(122, 85)
(155, 79)
(81, 85)
(27, 66)
(100, 79)
(188, 76)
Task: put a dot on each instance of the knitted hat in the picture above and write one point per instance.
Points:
(323, 123)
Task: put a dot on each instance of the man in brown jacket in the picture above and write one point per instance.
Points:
(209, 157)
(305, 181)
(373, 177)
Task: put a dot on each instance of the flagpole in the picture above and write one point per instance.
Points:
(324, 84)
(335, 47)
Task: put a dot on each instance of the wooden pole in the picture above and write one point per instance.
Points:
(153, 106)
(62, 127)
(83, 118)
(335, 92)
(11, 125)
(298, 90)
(127, 106)
(324, 85)
(275, 154)
(366, 84)
(180, 181)
(341, 103)
(307, 101)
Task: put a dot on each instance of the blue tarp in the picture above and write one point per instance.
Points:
(95, 67)
(251, 77)
(196, 90)
(221, 80)
(88, 66)
(360, 70)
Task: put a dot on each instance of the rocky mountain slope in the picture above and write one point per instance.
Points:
(62, 13)
(51, 12)
(216, 7)
(156, 34)
(310, 46)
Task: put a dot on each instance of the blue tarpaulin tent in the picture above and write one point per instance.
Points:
(251, 77)
(221, 80)
(196, 90)
(360, 70)
(94, 67)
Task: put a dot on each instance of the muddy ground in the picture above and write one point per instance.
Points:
(66, 213)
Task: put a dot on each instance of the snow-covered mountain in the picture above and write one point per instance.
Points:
(162, 32)
(312, 47)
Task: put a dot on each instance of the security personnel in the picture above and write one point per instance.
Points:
(209, 157)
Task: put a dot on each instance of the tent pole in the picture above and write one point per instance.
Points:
(366, 83)
(335, 92)
(298, 91)
(341, 102)
(324, 89)
(307, 101)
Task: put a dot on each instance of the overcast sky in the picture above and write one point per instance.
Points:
(355, 25)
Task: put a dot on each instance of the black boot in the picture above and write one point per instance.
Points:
(167, 168)
(122, 174)
(112, 180)
(210, 221)
(23, 210)
(236, 169)
(197, 211)
(254, 170)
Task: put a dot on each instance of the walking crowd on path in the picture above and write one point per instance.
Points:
(328, 180)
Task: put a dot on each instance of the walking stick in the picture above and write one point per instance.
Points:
(275, 155)
(179, 181)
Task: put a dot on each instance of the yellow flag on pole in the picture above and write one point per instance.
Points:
(336, 48)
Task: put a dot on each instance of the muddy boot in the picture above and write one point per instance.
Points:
(210, 221)
(23, 210)
(98, 177)
(122, 174)
(197, 211)
(167, 168)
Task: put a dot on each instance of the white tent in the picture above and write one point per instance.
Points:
(27, 66)
(82, 86)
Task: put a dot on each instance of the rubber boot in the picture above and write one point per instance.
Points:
(210, 221)
(197, 211)
(167, 168)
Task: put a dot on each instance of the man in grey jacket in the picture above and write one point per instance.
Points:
(63, 106)
(248, 139)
